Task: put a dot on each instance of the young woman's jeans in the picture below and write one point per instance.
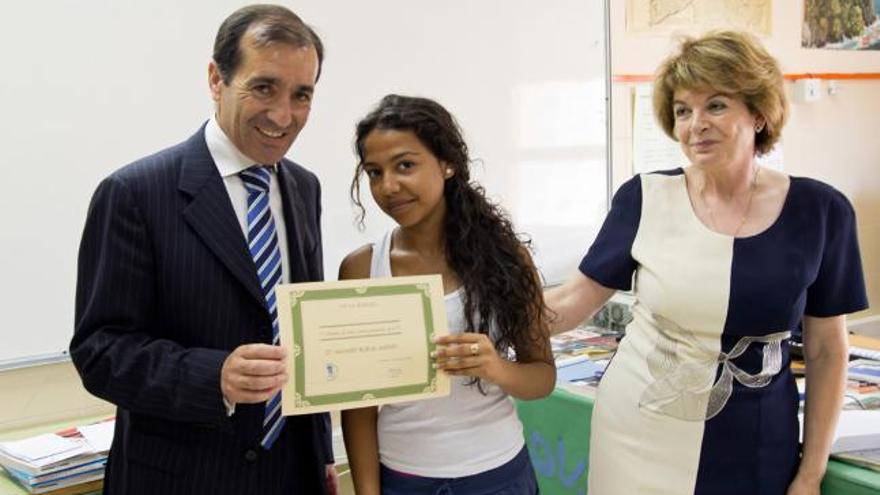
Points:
(516, 477)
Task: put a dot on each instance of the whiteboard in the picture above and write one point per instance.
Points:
(90, 85)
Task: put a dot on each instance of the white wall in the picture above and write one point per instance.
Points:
(91, 85)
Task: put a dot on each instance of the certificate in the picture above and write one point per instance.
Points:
(358, 343)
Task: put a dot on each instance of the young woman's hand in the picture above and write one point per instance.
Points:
(469, 354)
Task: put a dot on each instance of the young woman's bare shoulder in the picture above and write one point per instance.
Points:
(357, 263)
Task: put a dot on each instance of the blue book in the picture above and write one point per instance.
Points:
(577, 370)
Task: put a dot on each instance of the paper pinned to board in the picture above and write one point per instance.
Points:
(652, 148)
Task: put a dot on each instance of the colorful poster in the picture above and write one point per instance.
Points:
(841, 24)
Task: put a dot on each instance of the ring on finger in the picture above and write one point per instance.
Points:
(475, 349)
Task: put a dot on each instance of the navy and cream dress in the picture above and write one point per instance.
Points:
(699, 398)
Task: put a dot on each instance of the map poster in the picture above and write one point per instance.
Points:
(666, 16)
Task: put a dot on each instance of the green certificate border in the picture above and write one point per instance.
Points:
(298, 297)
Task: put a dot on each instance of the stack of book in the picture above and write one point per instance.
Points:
(863, 385)
(582, 354)
(64, 463)
(862, 346)
(863, 373)
(594, 343)
(858, 431)
(864, 370)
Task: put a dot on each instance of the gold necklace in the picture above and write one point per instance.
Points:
(745, 214)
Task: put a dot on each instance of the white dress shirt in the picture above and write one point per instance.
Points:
(230, 161)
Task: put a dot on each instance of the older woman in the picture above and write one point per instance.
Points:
(726, 259)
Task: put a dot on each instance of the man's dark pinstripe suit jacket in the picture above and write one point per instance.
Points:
(166, 288)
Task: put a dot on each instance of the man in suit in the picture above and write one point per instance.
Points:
(175, 314)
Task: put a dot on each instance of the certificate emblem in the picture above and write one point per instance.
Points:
(331, 370)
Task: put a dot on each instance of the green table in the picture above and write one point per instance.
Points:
(557, 431)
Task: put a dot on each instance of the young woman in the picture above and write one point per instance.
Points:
(416, 162)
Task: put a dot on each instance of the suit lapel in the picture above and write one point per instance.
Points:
(211, 215)
(299, 238)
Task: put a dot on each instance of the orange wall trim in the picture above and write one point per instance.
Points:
(640, 78)
(631, 78)
(835, 76)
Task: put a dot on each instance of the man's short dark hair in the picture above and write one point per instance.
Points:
(273, 23)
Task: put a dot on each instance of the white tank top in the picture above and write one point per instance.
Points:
(462, 434)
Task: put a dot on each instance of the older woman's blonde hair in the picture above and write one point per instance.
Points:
(732, 63)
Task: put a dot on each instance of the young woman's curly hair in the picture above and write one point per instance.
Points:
(501, 283)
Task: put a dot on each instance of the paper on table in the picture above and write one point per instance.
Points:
(98, 435)
(40, 448)
(856, 430)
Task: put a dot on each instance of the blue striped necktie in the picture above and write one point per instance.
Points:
(263, 244)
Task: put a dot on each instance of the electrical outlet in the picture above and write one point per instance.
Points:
(808, 90)
(833, 87)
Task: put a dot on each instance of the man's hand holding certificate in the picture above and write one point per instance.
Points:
(358, 343)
